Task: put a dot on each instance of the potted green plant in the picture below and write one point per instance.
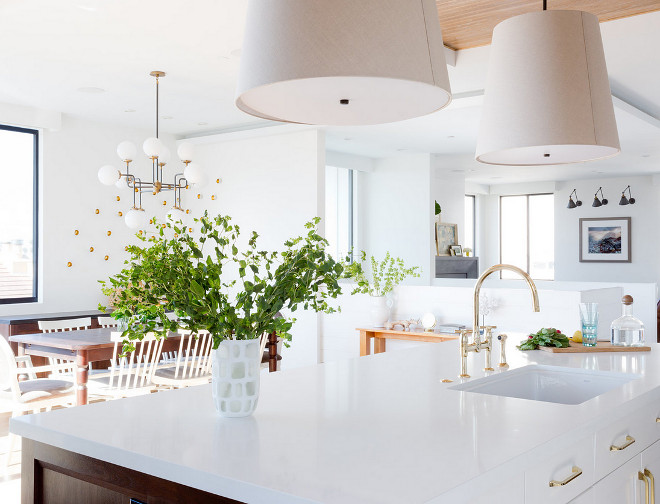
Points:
(438, 211)
(211, 283)
(467, 251)
(377, 279)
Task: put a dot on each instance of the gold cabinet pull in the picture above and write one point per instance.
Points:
(642, 477)
(649, 475)
(575, 472)
(657, 420)
(629, 440)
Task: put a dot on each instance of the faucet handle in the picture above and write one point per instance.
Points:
(502, 339)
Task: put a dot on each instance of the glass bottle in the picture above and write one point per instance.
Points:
(627, 330)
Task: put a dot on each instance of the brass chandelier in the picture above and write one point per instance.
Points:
(159, 155)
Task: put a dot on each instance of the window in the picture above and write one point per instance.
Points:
(340, 210)
(18, 215)
(469, 238)
(527, 234)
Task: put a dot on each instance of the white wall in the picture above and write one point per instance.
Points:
(645, 214)
(448, 188)
(487, 215)
(270, 184)
(70, 193)
(396, 212)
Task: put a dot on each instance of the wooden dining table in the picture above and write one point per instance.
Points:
(82, 347)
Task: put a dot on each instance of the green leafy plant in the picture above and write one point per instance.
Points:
(548, 336)
(437, 208)
(381, 277)
(210, 284)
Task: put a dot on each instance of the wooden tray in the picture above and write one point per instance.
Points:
(601, 346)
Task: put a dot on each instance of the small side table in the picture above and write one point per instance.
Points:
(380, 336)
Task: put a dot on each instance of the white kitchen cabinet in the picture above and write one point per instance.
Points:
(619, 441)
(571, 470)
(618, 487)
(584, 498)
(651, 463)
(623, 485)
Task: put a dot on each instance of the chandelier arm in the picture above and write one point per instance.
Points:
(178, 179)
(154, 170)
(134, 189)
(138, 183)
(129, 179)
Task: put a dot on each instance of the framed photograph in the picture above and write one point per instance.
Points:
(605, 240)
(446, 235)
(457, 250)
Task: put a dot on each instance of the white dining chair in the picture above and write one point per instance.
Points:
(33, 394)
(189, 365)
(106, 322)
(132, 375)
(51, 326)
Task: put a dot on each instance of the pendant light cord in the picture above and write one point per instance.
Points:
(545, 4)
(157, 102)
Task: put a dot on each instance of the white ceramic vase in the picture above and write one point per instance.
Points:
(380, 312)
(235, 377)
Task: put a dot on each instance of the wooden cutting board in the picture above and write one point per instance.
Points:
(601, 346)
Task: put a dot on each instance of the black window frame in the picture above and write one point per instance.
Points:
(35, 216)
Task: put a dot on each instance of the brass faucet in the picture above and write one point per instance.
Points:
(477, 344)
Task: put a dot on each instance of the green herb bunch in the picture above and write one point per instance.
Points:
(210, 284)
(544, 337)
(385, 275)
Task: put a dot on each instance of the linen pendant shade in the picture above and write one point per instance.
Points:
(342, 62)
(547, 98)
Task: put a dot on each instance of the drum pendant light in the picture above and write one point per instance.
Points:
(547, 98)
(342, 62)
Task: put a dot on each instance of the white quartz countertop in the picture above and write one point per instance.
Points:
(376, 429)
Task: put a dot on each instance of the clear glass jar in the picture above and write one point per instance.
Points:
(627, 330)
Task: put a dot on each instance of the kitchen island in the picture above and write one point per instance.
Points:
(379, 429)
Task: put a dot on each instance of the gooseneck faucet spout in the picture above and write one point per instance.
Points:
(477, 344)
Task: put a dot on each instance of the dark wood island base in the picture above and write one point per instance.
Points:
(51, 475)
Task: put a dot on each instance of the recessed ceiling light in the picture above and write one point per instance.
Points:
(401, 150)
(165, 118)
(596, 171)
(348, 139)
(202, 123)
(91, 90)
(472, 170)
(457, 171)
(129, 110)
(646, 155)
(450, 136)
(493, 178)
(87, 8)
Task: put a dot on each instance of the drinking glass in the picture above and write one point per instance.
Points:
(589, 318)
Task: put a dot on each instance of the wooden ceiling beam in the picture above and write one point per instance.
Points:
(470, 23)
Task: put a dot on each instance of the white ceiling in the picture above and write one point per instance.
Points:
(51, 50)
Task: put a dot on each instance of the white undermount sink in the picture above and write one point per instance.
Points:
(548, 383)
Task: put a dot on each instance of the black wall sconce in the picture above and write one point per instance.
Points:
(598, 202)
(571, 203)
(624, 200)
